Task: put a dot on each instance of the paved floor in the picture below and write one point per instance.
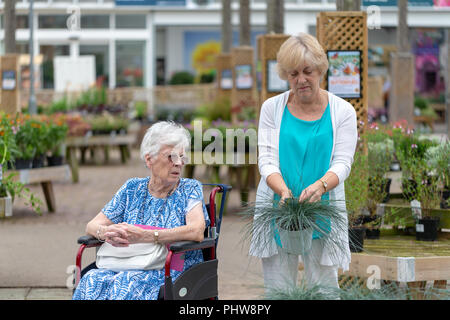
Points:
(38, 252)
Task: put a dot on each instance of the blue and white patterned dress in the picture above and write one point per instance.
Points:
(133, 204)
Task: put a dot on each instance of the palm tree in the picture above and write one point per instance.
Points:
(348, 5)
(275, 16)
(244, 22)
(227, 30)
(10, 26)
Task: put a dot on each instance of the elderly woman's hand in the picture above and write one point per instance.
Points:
(133, 234)
(313, 192)
(116, 235)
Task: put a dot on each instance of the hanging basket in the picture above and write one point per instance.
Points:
(295, 242)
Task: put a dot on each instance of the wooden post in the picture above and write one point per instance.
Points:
(270, 44)
(401, 97)
(10, 96)
(224, 68)
(242, 93)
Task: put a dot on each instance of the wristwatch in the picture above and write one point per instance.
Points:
(325, 184)
(156, 234)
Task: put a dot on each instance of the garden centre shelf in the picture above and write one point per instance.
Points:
(403, 259)
(94, 143)
(45, 176)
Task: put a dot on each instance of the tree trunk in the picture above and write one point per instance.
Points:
(348, 5)
(402, 30)
(275, 16)
(10, 26)
(227, 30)
(244, 22)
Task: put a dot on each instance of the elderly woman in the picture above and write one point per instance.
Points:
(163, 200)
(306, 142)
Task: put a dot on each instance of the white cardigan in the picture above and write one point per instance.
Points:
(345, 135)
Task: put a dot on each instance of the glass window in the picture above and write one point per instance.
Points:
(130, 21)
(49, 52)
(101, 53)
(21, 21)
(130, 63)
(53, 21)
(95, 21)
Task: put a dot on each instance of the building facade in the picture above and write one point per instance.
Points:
(143, 45)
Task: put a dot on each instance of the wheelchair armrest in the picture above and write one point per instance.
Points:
(89, 240)
(181, 246)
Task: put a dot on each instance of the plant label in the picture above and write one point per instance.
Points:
(419, 228)
(416, 209)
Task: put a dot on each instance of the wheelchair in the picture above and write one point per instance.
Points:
(200, 282)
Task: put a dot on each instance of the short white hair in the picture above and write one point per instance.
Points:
(164, 133)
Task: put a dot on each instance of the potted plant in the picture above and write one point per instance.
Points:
(438, 158)
(420, 182)
(9, 188)
(356, 193)
(380, 156)
(25, 142)
(57, 133)
(292, 223)
(38, 137)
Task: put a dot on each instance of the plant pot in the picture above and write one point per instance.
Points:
(38, 161)
(295, 242)
(20, 164)
(356, 238)
(372, 233)
(445, 196)
(427, 229)
(5, 207)
(55, 161)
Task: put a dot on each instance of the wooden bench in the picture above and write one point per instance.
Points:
(45, 176)
(94, 143)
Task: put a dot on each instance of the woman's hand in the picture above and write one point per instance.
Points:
(116, 235)
(313, 192)
(285, 195)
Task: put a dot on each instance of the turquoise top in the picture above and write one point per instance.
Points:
(305, 152)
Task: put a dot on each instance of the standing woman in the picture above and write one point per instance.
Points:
(306, 142)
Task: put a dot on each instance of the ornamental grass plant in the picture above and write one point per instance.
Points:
(355, 291)
(267, 219)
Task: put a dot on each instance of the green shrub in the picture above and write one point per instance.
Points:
(182, 77)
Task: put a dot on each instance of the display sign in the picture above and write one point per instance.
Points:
(226, 79)
(244, 79)
(9, 80)
(344, 79)
(274, 83)
(393, 3)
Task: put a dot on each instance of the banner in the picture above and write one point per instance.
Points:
(151, 3)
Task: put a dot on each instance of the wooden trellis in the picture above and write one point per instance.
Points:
(10, 95)
(269, 46)
(223, 62)
(347, 31)
(242, 56)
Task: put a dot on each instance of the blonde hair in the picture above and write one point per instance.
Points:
(300, 49)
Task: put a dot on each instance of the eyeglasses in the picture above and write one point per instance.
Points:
(174, 158)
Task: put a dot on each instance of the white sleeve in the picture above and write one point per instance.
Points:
(268, 161)
(346, 139)
(192, 203)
